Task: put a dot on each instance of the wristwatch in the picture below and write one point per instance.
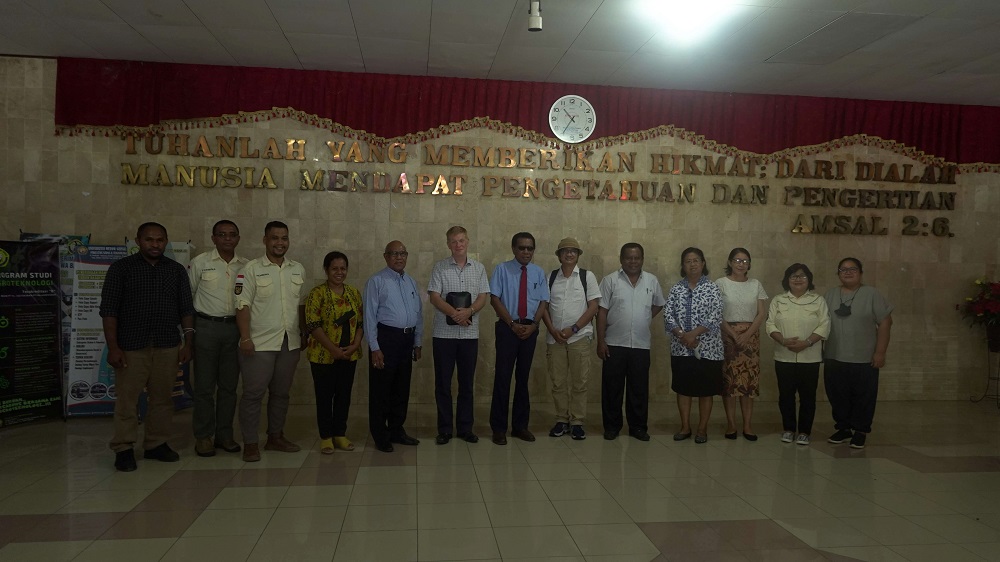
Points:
(574, 328)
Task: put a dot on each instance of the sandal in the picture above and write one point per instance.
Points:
(343, 443)
(326, 446)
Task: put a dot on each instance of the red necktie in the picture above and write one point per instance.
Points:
(522, 294)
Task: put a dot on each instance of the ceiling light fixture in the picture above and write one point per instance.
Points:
(535, 15)
(688, 22)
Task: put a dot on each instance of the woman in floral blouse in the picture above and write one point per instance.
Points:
(333, 320)
(692, 316)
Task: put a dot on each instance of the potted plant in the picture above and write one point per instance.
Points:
(984, 308)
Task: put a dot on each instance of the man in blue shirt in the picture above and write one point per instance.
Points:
(393, 328)
(519, 295)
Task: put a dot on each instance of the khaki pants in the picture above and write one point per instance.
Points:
(153, 369)
(569, 370)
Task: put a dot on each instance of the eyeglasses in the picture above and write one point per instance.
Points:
(570, 250)
(741, 261)
(798, 277)
(227, 235)
(848, 270)
(402, 254)
(692, 262)
(526, 248)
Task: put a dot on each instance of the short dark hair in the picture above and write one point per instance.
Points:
(145, 225)
(631, 246)
(700, 254)
(861, 268)
(274, 224)
(792, 269)
(519, 235)
(334, 255)
(222, 222)
(732, 254)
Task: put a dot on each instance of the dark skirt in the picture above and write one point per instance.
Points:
(695, 377)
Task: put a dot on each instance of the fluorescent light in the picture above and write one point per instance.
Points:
(688, 22)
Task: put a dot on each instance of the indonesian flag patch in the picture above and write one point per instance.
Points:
(239, 284)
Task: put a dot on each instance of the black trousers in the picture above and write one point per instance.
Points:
(448, 353)
(625, 374)
(803, 379)
(514, 355)
(333, 383)
(853, 390)
(389, 387)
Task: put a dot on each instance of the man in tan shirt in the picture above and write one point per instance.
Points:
(216, 367)
(267, 314)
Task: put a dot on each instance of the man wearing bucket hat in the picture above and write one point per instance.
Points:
(573, 302)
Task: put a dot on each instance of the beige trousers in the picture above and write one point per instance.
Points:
(155, 370)
(569, 370)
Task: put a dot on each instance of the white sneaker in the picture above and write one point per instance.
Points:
(787, 437)
(802, 439)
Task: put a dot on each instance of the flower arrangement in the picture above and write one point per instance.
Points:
(984, 306)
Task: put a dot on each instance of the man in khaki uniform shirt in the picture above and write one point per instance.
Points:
(216, 367)
(267, 314)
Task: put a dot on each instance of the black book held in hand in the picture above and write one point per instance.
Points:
(460, 299)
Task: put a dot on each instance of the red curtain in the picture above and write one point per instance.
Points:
(92, 92)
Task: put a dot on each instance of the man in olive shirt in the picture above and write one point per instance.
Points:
(216, 366)
(144, 298)
(267, 315)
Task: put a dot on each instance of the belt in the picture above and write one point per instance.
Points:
(524, 321)
(409, 330)
(224, 319)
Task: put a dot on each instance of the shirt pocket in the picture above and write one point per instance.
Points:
(211, 280)
(297, 282)
(265, 287)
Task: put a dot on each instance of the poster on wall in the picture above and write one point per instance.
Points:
(90, 387)
(30, 357)
(69, 246)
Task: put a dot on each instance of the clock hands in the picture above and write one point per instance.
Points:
(572, 119)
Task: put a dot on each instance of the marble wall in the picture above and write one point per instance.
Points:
(74, 185)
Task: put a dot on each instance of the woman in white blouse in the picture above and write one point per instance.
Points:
(743, 313)
(799, 321)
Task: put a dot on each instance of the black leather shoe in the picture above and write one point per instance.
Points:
(125, 461)
(442, 438)
(404, 439)
(499, 438)
(385, 448)
(610, 435)
(162, 453)
(469, 437)
(523, 435)
(640, 434)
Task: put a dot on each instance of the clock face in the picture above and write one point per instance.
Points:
(572, 119)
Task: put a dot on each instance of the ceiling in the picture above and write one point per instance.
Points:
(943, 51)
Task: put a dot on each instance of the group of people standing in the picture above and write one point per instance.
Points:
(249, 321)
(715, 346)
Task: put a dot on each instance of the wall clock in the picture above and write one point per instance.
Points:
(572, 118)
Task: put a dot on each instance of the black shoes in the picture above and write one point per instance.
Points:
(639, 434)
(499, 438)
(125, 461)
(840, 436)
(162, 453)
(385, 447)
(469, 437)
(404, 439)
(523, 435)
(610, 434)
(443, 438)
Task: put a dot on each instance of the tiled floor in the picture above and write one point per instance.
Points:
(926, 488)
